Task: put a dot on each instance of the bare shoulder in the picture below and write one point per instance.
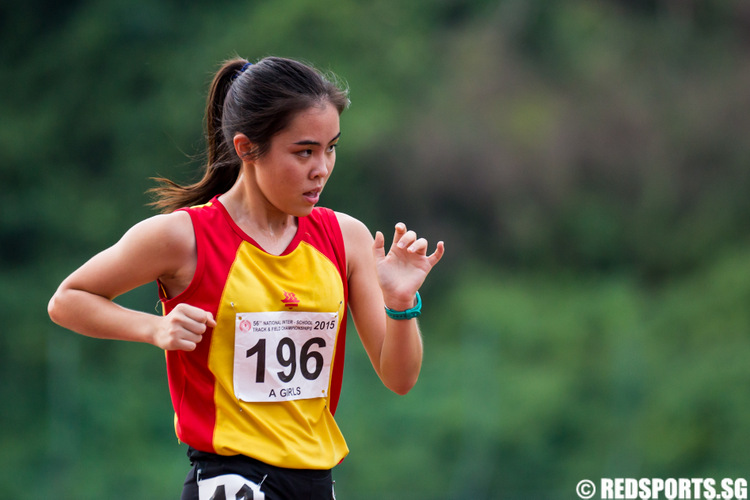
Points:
(171, 232)
(354, 231)
(162, 246)
(167, 241)
(357, 242)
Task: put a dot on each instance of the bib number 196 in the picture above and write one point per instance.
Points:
(284, 355)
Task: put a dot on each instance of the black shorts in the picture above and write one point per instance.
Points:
(217, 477)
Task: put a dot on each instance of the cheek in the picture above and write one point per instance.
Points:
(277, 174)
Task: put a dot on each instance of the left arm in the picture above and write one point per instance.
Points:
(376, 280)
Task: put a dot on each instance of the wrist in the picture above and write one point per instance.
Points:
(412, 311)
(151, 333)
(400, 302)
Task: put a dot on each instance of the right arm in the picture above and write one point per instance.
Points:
(161, 247)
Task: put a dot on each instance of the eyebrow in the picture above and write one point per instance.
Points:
(315, 143)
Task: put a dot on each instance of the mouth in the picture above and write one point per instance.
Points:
(313, 196)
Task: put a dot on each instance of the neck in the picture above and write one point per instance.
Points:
(269, 227)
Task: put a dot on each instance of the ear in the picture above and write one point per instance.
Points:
(242, 146)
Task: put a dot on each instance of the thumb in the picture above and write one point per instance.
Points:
(378, 246)
(210, 321)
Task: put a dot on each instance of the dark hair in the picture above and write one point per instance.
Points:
(258, 100)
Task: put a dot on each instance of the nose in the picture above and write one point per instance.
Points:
(322, 168)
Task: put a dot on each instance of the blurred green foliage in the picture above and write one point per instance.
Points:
(586, 162)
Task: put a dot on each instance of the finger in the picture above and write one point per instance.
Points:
(437, 254)
(398, 233)
(196, 314)
(184, 345)
(419, 246)
(196, 339)
(190, 337)
(193, 327)
(195, 321)
(407, 239)
(378, 246)
(183, 341)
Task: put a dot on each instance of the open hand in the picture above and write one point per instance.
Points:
(403, 270)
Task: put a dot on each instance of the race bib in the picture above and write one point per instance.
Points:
(229, 486)
(283, 355)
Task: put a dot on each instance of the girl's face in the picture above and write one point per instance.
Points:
(294, 170)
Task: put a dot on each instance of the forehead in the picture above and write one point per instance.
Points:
(318, 123)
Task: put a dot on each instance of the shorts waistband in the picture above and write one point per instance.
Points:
(239, 460)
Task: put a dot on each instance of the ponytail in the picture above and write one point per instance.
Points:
(258, 100)
(222, 164)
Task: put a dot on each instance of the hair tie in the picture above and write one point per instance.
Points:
(241, 70)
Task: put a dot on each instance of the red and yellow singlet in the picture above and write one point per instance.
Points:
(266, 380)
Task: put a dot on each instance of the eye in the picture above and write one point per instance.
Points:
(305, 153)
(332, 148)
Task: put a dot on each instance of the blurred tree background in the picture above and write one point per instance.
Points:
(587, 163)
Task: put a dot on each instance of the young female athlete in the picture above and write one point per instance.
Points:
(255, 283)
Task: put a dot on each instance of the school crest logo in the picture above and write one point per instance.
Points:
(290, 300)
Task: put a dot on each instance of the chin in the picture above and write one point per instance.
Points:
(303, 212)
